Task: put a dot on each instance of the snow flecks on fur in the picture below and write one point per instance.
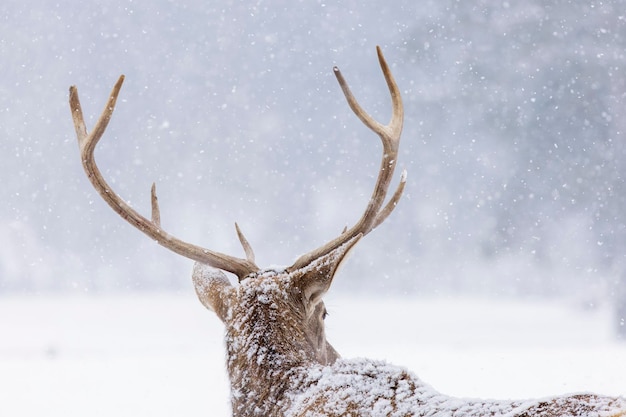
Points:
(263, 340)
(361, 387)
(280, 364)
(264, 284)
(204, 275)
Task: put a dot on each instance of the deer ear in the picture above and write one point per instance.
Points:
(213, 289)
(314, 279)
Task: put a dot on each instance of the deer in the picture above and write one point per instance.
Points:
(278, 359)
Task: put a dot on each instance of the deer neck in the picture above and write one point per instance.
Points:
(265, 341)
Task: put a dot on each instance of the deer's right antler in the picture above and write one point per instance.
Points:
(87, 143)
(374, 213)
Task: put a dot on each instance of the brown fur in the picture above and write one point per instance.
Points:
(280, 363)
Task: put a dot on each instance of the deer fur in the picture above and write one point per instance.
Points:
(280, 363)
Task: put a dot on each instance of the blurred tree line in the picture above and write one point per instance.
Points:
(532, 99)
(513, 140)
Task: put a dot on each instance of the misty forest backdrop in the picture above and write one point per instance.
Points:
(513, 141)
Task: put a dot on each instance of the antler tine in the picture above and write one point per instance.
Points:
(391, 204)
(156, 212)
(390, 137)
(87, 143)
(247, 248)
(390, 133)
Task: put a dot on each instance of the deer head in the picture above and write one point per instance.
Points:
(271, 315)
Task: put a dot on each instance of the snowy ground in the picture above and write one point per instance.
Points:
(162, 355)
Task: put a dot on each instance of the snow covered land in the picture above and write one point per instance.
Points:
(162, 355)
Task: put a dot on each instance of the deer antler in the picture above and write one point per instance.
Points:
(87, 143)
(374, 213)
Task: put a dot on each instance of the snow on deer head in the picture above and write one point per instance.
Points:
(274, 323)
(274, 316)
(279, 361)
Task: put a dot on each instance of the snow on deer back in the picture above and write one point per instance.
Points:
(279, 361)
